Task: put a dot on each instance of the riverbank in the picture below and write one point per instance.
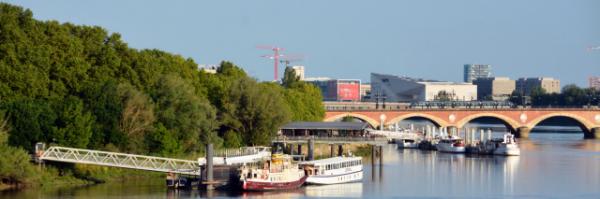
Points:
(69, 175)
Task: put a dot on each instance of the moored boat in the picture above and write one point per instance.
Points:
(452, 144)
(278, 173)
(508, 146)
(334, 170)
(407, 143)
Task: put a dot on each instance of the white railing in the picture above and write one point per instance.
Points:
(150, 163)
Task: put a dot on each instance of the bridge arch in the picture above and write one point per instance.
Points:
(370, 121)
(582, 122)
(510, 123)
(435, 120)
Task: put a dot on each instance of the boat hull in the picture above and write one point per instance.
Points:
(447, 148)
(508, 151)
(335, 179)
(251, 185)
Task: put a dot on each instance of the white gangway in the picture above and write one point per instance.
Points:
(149, 163)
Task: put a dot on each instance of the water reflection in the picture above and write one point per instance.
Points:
(349, 190)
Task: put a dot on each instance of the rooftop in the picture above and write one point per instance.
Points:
(331, 160)
(326, 125)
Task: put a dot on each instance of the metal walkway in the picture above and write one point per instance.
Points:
(150, 163)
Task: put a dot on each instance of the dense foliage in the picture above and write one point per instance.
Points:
(571, 96)
(80, 86)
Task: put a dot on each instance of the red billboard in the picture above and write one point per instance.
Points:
(348, 90)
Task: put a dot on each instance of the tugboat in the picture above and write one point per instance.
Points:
(508, 146)
(451, 144)
(334, 170)
(278, 173)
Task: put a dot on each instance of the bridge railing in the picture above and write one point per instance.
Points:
(123, 160)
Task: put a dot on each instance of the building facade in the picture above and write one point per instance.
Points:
(405, 89)
(299, 71)
(525, 85)
(595, 82)
(494, 88)
(474, 71)
(337, 89)
(365, 91)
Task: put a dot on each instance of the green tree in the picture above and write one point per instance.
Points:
(73, 126)
(290, 79)
(31, 120)
(190, 117)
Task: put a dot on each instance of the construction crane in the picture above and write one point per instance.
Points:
(275, 57)
(289, 58)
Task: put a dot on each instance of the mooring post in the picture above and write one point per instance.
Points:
(380, 163)
(209, 166)
(340, 150)
(311, 148)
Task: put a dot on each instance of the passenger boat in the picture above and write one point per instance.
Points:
(508, 146)
(278, 173)
(451, 144)
(334, 170)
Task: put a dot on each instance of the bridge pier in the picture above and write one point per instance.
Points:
(593, 133)
(523, 132)
(451, 130)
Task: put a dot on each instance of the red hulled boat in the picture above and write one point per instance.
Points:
(279, 173)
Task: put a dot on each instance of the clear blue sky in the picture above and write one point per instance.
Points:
(350, 39)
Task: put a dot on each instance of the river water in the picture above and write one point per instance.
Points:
(551, 166)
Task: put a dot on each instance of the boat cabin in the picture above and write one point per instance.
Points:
(331, 165)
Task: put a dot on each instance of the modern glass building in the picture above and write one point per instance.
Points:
(474, 71)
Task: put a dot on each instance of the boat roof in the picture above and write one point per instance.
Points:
(332, 160)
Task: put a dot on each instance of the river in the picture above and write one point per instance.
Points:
(551, 166)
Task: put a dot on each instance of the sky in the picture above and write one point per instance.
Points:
(350, 39)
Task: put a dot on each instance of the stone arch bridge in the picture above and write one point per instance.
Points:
(519, 121)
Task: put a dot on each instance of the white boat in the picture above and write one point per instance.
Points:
(407, 143)
(452, 144)
(334, 170)
(508, 146)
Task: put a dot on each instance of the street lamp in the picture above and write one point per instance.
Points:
(382, 118)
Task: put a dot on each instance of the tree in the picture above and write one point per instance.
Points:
(444, 96)
(290, 78)
(305, 102)
(254, 110)
(31, 121)
(73, 125)
(189, 117)
(137, 117)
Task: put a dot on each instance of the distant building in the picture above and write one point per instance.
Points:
(365, 91)
(405, 89)
(595, 82)
(337, 89)
(474, 71)
(299, 70)
(208, 68)
(525, 85)
(494, 88)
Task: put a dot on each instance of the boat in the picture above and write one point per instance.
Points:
(333, 170)
(451, 144)
(407, 143)
(278, 173)
(508, 146)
